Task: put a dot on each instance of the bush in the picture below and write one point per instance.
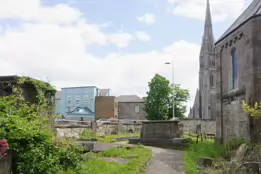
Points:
(27, 128)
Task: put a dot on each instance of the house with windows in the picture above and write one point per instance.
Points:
(87, 102)
(131, 107)
(78, 102)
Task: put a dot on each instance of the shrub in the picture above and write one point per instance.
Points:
(26, 127)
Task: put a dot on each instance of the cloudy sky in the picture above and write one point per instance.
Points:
(117, 44)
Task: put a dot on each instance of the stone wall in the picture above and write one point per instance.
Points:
(69, 132)
(114, 128)
(104, 129)
(189, 125)
(229, 113)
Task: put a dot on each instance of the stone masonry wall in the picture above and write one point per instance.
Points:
(105, 129)
(232, 121)
(190, 125)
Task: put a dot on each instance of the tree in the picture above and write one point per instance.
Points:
(157, 102)
(181, 96)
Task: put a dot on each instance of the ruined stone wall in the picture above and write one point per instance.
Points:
(190, 125)
(105, 129)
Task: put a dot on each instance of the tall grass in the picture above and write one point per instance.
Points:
(209, 149)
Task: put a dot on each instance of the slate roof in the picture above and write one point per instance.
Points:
(129, 98)
(254, 9)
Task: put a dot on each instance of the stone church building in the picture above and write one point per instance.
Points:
(204, 104)
(236, 72)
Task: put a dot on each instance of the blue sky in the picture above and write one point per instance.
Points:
(115, 44)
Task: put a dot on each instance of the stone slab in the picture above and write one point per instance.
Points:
(95, 146)
(125, 138)
(134, 140)
(165, 143)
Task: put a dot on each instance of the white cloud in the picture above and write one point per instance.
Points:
(147, 18)
(61, 53)
(120, 39)
(61, 56)
(32, 10)
(220, 10)
(143, 36)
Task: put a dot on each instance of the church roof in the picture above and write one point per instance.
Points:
(254, 9)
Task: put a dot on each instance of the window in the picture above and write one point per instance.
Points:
(211, 80)
(69, 100)
(69, 109)
(137, 109)
(86, 99)
(77, 100)
(234, 68)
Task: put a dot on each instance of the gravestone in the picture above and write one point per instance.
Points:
(161, 133)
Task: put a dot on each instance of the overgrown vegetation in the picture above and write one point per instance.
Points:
(26, 126)
(88, 134)
(209, 149)
(138, 157)
(159, 103)
(253, 111)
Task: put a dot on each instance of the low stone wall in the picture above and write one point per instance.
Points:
(190, 126)
(105, 129)
(114, 128)
(69, 132)
(186, 126)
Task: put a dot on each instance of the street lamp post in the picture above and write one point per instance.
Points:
(173, 89)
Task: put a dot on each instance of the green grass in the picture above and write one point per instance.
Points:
(210, 149)
(207, 148)
(88, 134)
(139, 156)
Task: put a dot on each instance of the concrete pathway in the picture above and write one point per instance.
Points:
(166, 161)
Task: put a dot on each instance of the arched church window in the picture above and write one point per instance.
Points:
(234, 56)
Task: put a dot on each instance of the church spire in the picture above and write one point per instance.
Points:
(208, 38)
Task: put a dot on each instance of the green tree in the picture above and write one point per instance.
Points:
(157, 102)
(181, 96)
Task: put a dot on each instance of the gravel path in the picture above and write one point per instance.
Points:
(166, 161)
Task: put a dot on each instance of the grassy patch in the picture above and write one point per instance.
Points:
(195, 151)
(210, 149)
(139, 157)
(89, 134)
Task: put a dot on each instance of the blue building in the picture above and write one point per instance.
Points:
(78, 102)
